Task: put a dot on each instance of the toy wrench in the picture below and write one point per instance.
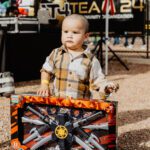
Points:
(42, 142)
(36, 133)
(32, 121)
(103, 126)
(81, 143)
(90, 138)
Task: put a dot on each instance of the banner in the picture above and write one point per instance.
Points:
(124, 14)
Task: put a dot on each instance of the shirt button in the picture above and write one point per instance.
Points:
(69, 85)
(70, 72)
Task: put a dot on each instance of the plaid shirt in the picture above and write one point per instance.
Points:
(80, 77)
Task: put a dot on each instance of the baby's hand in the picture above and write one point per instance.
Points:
(43, 90)
(111, 88)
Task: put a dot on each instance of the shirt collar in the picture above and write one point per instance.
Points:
(87, 52)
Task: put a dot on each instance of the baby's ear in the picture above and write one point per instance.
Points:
(87, 35)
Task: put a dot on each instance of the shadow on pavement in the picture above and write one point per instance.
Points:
(134, 140)
(128, 117)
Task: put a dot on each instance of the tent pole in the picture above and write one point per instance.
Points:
(106, 37)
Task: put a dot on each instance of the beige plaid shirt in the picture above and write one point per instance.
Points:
(80, 77)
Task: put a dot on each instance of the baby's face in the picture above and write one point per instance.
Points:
(73, 34)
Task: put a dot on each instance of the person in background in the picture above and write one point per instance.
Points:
(74, 70)
(117, 37)
(143, 46)
(126, 43)
(116, 40)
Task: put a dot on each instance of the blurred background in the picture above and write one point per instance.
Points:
(29, 30)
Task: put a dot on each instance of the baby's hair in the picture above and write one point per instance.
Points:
(84, 20)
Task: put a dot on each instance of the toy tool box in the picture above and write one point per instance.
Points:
(45, 123)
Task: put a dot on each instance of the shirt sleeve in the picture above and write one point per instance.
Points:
(97, 80)
(48, 65)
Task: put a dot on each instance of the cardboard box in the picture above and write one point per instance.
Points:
(62, 123)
